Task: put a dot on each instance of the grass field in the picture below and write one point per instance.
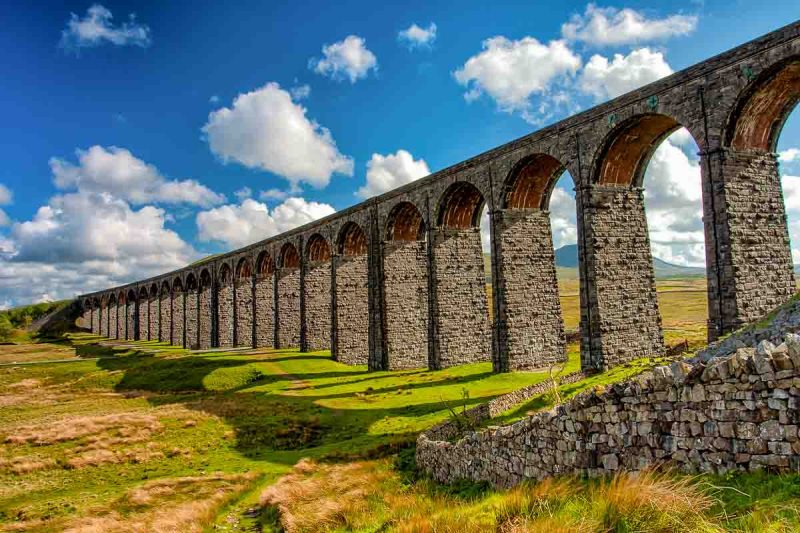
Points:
(145, 437)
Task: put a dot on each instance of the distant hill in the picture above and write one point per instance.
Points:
(567, 263)
(567, 256)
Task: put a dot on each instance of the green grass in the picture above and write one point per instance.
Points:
(257, 413)
(199, 420)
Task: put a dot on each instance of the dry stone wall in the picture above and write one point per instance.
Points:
(225, 315)
(461, 313)
(265, 311)
(405, 266)
(318, 306)
(204, 319)
(192, 320)
(352, 310)
(177, 318)
(623, 308)
(288, 307)
(531, 328)
(736, 413)
(244, 312)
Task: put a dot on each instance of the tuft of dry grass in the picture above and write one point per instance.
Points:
(187, 504)
(26, 465)
(120, 427)
(650, 501)
(316, 497)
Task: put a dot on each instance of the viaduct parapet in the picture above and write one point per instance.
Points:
(398, 281)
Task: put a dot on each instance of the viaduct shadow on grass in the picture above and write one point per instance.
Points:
(279, 417)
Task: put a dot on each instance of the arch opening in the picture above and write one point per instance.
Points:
(289, 256)
(165, 289)
(225, 275)
(632, 144)
(405, 223)
(205, 280)
(759, 118)
(265, 266)
(352, 240)
(244, 270)
(191, 282)
(318, 249)
(177, 285)
(531, 182)
(460, 206)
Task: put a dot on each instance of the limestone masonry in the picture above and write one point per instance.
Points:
(398, 281)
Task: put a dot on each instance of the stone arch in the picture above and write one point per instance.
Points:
(317, 301)
(526, 303)
(225, 274)
(405, 223)
(351, 296)
(131, 319)
(191, 311)
(122, 322)
(530, 183)
(165, 312)
(352, 240)
(178, 307)
(406, 302)
(763, 107)
(205, 310)
(287, 284)
(265, 265)
(460, 206)
(243, 302)
(111, 305)
(460, 310)
(154, 316)
(289, 258)
(244, 269)
(143, 313)
(317, 248)
(627, 149)
(264, 301)
(226, 314)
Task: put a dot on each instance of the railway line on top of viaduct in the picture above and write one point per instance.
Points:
(397, 281)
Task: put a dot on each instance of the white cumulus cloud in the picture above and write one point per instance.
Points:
(418, 37)
(96, 28)
(603, 79)
(347, 59)
(265, 129)
(789, 155)
(673, 202)
(511, 72)
(608, 26)
(251, 221)
(118, 172)
(387, 172)
(86, 241)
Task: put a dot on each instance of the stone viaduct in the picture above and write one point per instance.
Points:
(398, 281)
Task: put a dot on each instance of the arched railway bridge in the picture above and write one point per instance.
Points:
(397, 281)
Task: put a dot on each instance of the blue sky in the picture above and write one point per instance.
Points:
(129, 138)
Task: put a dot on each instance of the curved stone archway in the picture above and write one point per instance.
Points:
(317, 295)
(351, 296)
